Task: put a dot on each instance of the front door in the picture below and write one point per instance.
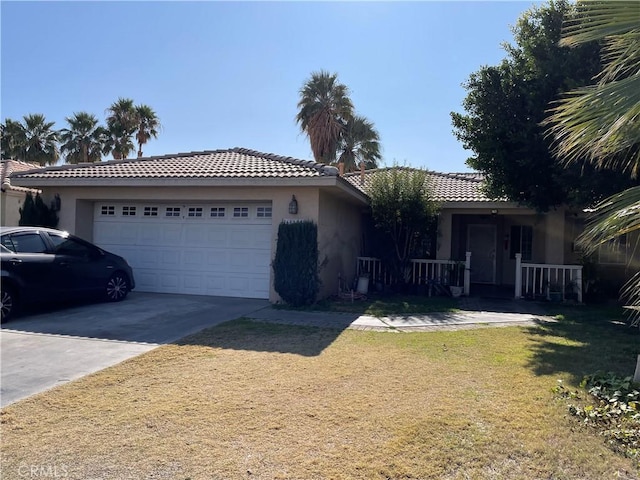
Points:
(481, 241)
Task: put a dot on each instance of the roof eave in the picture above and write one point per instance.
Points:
(481, 205)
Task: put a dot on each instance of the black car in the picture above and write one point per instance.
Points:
(45, 265)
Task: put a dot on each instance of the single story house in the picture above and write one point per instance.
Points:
(12, 196)
(206, 222)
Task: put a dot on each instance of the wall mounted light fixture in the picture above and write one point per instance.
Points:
(293, 205)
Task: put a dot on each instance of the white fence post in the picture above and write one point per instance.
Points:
(579, 284)
(518, 288)
(467, 274)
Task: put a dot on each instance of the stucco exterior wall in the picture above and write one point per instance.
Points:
(77, 207)
(339, 241)
(11, 202)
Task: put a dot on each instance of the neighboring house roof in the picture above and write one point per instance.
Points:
(446, 187)
(231, 163)
(9, 167)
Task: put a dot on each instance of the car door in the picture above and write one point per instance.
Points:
(82, 266)
(28, 260)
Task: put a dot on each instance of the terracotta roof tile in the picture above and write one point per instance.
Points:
(231, 163)
(9, 167)
(242, 163)
(446, 187)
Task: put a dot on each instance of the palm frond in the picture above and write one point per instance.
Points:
(613, 217)
(596, 20)
(596, 122)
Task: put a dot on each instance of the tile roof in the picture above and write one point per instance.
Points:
(9, 167)
(446, 187)
(231, 163)
(238, 163)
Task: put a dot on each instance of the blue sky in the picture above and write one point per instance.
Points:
(228, 74)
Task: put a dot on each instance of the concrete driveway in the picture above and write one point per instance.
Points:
(43, 350)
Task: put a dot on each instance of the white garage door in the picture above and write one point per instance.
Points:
(204, 249)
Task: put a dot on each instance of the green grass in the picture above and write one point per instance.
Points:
(255, 400)
(383, 305)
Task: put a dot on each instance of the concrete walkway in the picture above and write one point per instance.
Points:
(402, 323)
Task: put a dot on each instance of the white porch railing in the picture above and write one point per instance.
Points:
(542, 280)
(421, 272)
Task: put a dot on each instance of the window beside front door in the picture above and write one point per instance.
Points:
(615, 251)
(521, 241)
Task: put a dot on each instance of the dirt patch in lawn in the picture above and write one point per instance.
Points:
(232, 403)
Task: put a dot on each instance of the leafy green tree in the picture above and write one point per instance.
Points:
(402, 209)
(505, 105)
(359, 142)
(122, 123)
(147, 127)
(40, 140)
(324, 109)
(599, 123)
(84, 140)
(13, 139)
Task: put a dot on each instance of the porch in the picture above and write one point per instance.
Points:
(534, 281)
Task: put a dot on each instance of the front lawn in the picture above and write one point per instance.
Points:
(254, 400)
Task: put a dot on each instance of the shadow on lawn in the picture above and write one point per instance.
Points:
(254, 335)
(584, 340)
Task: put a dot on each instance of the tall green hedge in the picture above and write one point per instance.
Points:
(295, 267)
(36, 213)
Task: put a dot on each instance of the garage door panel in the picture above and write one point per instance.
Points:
(170, 258)
(171, 234)
(192, 283)
(196, 235)
(148, 258)
(107, 233)
(151, 235)
(194, 255)
(217, 237)
(146, 280)
(169, 280)
(194, 259)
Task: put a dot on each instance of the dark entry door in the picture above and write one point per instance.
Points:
(481, 240)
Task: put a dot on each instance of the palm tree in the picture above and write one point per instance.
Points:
(84, 140)
(600, 122)
(359, 142)
(12, 140)
(148, 125)
(121, 125)
(40, 140)
(324, 109)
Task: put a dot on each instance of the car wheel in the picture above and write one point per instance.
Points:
(8, 303)
(117, 287)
